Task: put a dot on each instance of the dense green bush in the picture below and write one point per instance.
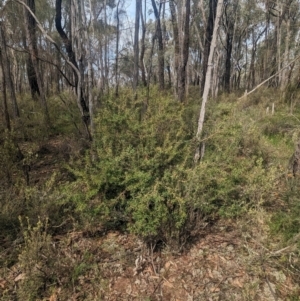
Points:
(139, 174)
(133, 172)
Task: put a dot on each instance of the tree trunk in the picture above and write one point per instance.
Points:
(208, 38)
(161, 64)
(86, 42)
(230, 24)
(284, 76)
(32, 77)
(32, 80)
(71, 55)
(117, 51)
(177, 46)
(106, 50)
(143, 47)
(7, 72)
(184, 54)
(30, 28)
(208, 80)
(5, 107)
(136, 45)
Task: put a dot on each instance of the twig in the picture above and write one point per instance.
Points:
(271, 289)
(265, 81)
(153, 265)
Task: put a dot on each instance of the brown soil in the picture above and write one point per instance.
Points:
(225, 263)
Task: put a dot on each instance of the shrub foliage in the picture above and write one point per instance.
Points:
(139, 173)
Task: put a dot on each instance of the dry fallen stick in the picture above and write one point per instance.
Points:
(265, 81)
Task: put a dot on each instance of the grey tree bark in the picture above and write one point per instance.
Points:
(207, 81)
(32, 46)
(5, 107)
(143, 47)
(208, 38)
(87, 44)
(7, 72)
(136, 45)
(161, 63)
(184, 53)
(176, 46)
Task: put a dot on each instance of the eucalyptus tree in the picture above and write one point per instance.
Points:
(229, 23)
(117, 49)
(4, 75)
(136, 44)
(71, 54)
(30, 29)
(7, 76)
(208, 37)
(143, 46)
(180, 17)
(200, 151)
(159, 35)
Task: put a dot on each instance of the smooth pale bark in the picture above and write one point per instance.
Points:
(278, 31)
(181, 24)
(284, 76)
(136, 45)
(149, 71)
(117, 51)
(143, 47)
(208, 39)
(215, 77)
(176, 46)
(7, 72)
(184, 53)
(208, 79)
(106, 50)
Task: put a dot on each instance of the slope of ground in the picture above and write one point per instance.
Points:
(232, 260)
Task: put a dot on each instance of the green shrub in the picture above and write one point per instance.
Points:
(133, 175)
(36, 261)
(139, 173)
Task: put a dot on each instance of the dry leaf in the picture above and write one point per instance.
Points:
(210, 273)
(2, 283)
(237, 283)
(168, 284)
(53, 297)
(167, 265)
(20, 277)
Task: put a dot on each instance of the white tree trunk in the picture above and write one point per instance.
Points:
(284, 76)
(89, 62)
(208, 78)
(215, 77)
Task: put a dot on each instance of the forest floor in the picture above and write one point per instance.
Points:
(231, 259)
(223, 263)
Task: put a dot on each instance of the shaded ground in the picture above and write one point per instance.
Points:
(225, 263)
